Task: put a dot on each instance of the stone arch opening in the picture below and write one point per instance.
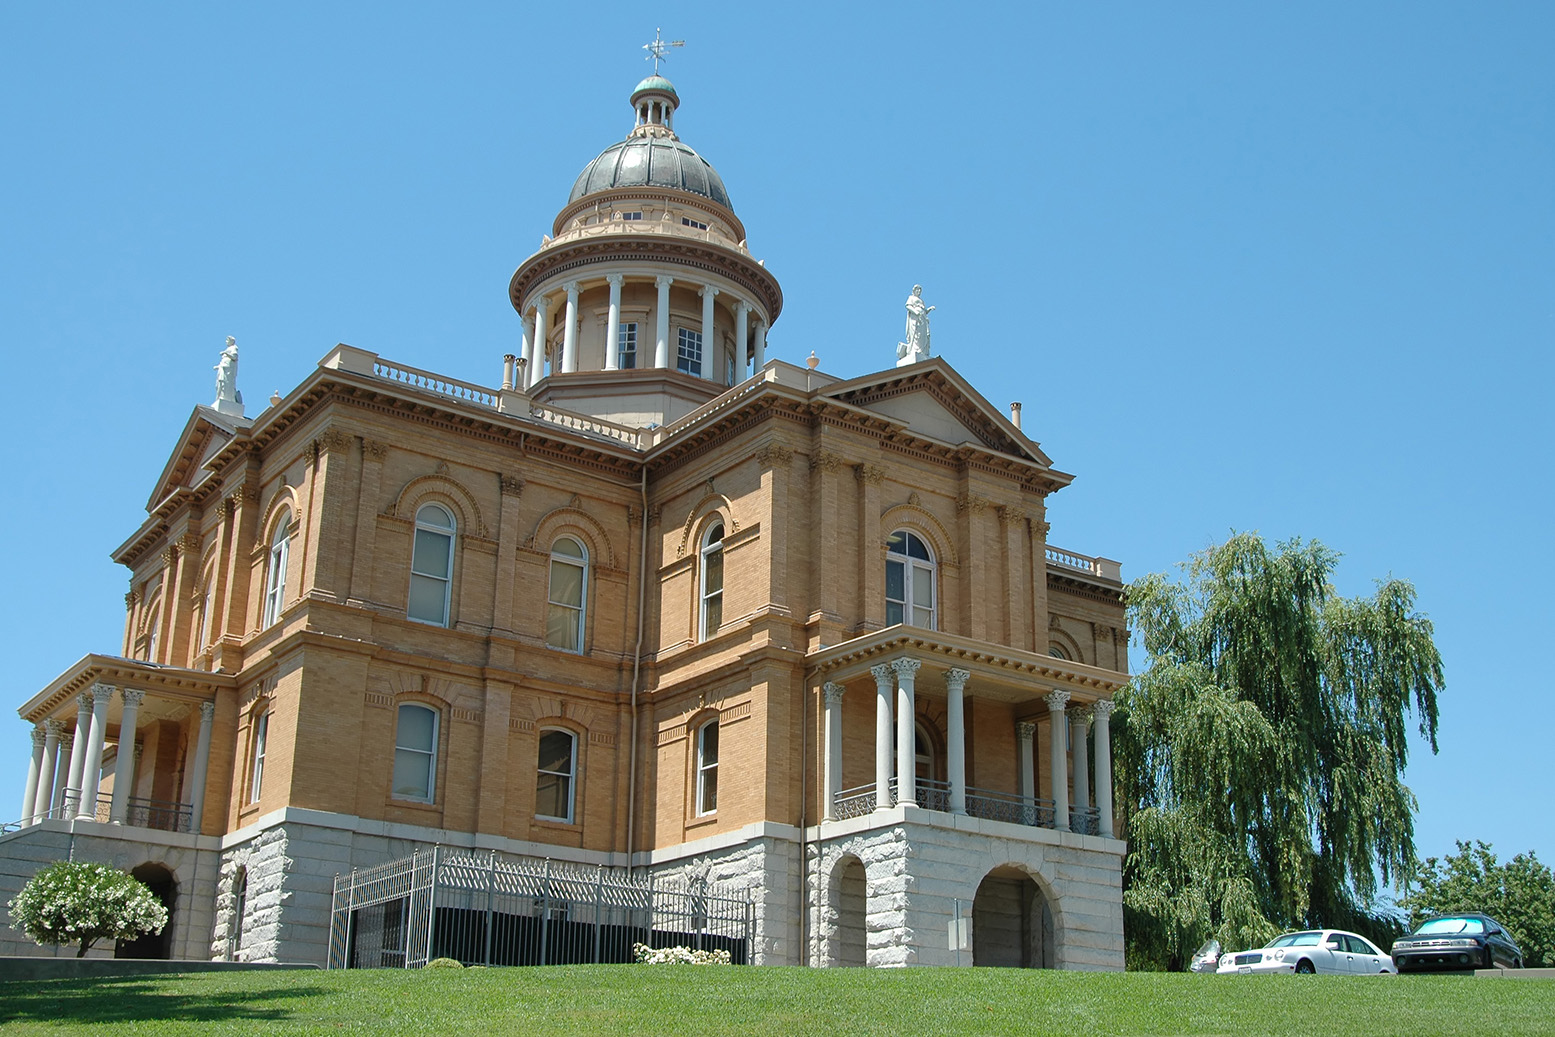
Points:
(1012, 922)
(153, 945)
(849, 903)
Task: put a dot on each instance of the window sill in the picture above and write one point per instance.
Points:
(558, 824)
(702, 820)
(414, 804)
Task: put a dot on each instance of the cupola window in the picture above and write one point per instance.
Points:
(686, 221)
(626, 345)
(689, 358)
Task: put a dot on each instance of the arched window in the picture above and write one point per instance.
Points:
(257, 775)
(923, 750)
(415, 753)
(1056, 651)
(569, 590)
(275, 577)
(153, 627)
(432, 565)
(557, 770)
(712, 582)
(207, 607)
(909, 581)
(707, 767)
(239, 909)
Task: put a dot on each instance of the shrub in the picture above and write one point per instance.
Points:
(71, 901)
(445, 963)
(678, 956)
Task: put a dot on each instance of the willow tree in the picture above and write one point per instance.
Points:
(1261, 753)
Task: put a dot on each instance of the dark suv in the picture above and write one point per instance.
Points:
(1456, 942)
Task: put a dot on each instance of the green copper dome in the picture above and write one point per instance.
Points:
(656, 82)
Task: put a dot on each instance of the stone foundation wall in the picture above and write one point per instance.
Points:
(766, 866)
(193, 862)
(921, 870)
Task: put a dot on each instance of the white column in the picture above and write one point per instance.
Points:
(613, 322)
(67, 741)
(570, 332)
(761, 345)
(92, 769)
(955, 735)
(906, 731)
(542, 333)
(527, 351)
(1102, 711)
(1025, 731)
(202, 760)
(1079, 719)
(1059, 745)
(124, 767)
(661, 317)
(78, 752)
(884, 683)
(30, 793)
(45, 788)
(832, 692)
(742, 310)
(711, 369)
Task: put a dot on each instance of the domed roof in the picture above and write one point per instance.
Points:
(651, 162)
(656, 82)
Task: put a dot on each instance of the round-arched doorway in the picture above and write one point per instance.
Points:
(153, 945)
(1012, 922)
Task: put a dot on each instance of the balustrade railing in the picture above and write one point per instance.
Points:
(985, 803)
(436, 383)
(160, 815)
(855, 802)
(585, 423)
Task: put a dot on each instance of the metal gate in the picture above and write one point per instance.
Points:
(491, 910)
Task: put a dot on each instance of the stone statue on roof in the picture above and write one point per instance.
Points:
(916, 347)
(228, 399)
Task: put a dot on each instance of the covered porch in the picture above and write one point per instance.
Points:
(947, 725)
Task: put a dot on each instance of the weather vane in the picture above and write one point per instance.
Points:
(656, 49)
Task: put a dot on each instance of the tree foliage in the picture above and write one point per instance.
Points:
(1519, 894)
(81, 902)
(1260, 755)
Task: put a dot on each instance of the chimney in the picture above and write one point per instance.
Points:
(1015, 414)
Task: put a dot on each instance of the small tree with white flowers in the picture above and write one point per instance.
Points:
(80, 902)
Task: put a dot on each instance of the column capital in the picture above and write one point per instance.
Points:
(38, 736)
(663, 281)
(542, 306)
(1025, 730)
(955, 679)
(102, 692)
(1056, 701)
(571, 288)
(833, 693)
(207, 711)
(708, 291)
(882, 673)
(906, 668)
(52, 728)
(615, 280)
(1079, 714)
(84, 701)
(1103, 708)
(132, 696)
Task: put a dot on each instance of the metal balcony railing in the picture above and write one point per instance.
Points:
(985, 803)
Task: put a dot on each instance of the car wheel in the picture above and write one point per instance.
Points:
(1305, 968)
(1490, 958)
(1516, 964)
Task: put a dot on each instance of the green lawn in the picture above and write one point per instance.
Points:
(687, 1001)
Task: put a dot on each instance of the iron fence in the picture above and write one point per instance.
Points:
(491, 910)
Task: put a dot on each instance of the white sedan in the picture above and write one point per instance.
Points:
(1311, 950)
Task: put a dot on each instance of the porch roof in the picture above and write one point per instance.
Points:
(176, 684)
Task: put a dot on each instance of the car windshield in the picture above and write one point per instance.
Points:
(1448, 926)
(1295, 940)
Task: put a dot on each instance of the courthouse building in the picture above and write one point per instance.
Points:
(659, 604)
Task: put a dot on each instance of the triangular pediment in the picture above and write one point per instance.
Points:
(206, 433)
(932, 401)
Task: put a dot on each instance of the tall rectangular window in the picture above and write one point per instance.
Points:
(626, 345)
(707, 768)
(415, 753)
(431, 565)
(558, 766)
(261, 734)
(689, 358)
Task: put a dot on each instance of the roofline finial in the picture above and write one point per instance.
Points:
(657, 49)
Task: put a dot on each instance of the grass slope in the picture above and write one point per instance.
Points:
(687, 1001)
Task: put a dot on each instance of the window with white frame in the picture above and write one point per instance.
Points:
(153, 628)
(558, 767)
(626, 345)
(432, 565)
(415, 753)
(689, 358)
(569, 592)
(909, 581)
(707, 767)
(631, 215)
(686, 221)
(275, 578)
(257, 775)
(712, 582)
(207, 606)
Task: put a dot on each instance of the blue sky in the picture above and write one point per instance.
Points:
(1288, 268)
